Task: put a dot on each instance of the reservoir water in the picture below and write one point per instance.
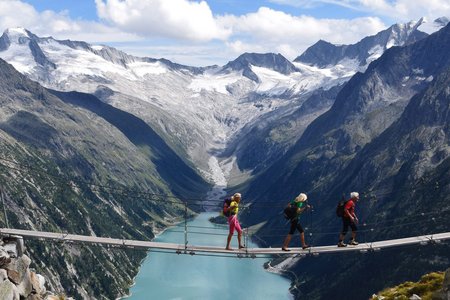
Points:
(170, 276)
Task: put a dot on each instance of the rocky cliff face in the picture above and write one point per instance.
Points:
(94, 160)
(444, 293)
(244, 62)
(195, 110)
(387, 136)
(70, 168)
(323, 53)
(17, 279)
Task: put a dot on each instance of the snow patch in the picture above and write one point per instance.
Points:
(272, 82)
(15, 33)
(391, 43)
(72, 62)
(312, 77)
(216, 172)
(20, 57)
(97, 47)
(214, 82)
(375, 53)
(346, 67)
(143, 68)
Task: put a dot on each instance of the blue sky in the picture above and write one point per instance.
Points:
(214, 32)
(87, 9)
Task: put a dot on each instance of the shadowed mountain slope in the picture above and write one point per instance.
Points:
(66, 169)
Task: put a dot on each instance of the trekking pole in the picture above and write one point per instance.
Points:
(246, 236)
(2, 193)
(185, 227)
(310, 226)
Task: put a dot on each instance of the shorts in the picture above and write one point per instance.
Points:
(346, 222)
(295, 225)
(234, 224)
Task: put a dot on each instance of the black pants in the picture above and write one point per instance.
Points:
(346, 222)
(295, 225)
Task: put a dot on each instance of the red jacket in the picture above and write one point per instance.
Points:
(349, 209)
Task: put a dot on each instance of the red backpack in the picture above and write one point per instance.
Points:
(341, 207)
(226, 204)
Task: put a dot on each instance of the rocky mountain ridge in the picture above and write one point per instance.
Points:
(218, 102)
(67, 167)
(365, 51)
(295, 126)
(386, 136)
(276, 62)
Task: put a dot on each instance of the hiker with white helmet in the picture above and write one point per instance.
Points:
(349, 219)
(292, 213)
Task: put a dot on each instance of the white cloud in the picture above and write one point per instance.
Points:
(191, 55)
(299, 3)
(238, 47)
(405, 10)
(14, 13)
(189, 33)
(274, 31)
(287, 50)
(399, 10)
(179, 19)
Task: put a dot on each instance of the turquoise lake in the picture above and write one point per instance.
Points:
(170, 276)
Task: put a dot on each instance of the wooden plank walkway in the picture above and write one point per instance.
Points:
(246, 252)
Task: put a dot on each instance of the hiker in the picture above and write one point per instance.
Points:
(349, 219)
(299, 204)
(233, 221)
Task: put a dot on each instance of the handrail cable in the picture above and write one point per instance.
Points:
(69, 182)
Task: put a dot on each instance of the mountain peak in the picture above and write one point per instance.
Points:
(442, 21)
(401, 34)
(27, 41)
(323, 54)
(17, 32)
(16, 35)
(276, 62)
(411, 25)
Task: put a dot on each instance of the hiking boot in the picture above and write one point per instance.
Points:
(353, 242)
(342, 244)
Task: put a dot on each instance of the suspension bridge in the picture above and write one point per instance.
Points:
(244, 252)
(187, 248)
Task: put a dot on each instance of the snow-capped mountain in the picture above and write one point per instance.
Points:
(247, 61)
(57, 150)
(441, 22)
(324, 54)
(387, 136)
(197, 110)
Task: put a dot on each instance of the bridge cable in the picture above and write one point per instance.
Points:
(159, 194)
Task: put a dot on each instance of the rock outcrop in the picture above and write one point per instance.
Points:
(17, 279)
(444, 293)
